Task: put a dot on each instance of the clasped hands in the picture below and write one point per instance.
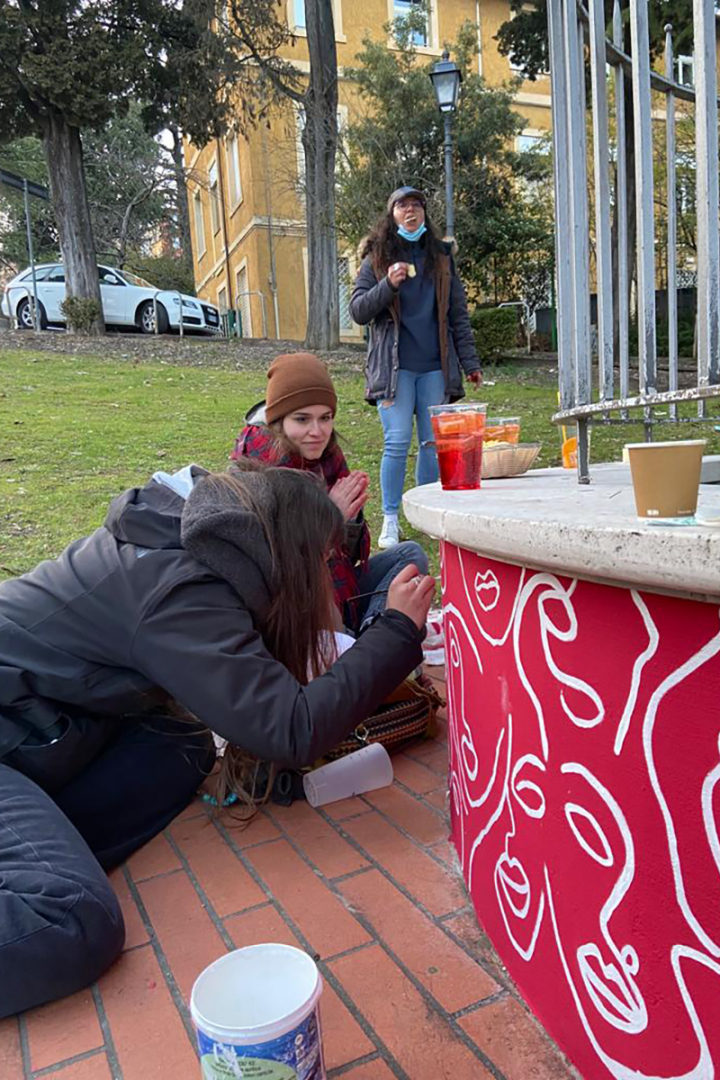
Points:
(351, 493)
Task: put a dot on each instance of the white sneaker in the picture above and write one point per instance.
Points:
(390, 535)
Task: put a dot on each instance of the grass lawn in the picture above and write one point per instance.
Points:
(76, 430)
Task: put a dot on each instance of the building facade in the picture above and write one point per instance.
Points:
(246, 206)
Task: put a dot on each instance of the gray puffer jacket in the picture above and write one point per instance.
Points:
(374, 301)
(164, 600)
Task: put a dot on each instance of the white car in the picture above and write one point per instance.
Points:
(128, 300)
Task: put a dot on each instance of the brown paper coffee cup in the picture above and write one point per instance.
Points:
(666, 477)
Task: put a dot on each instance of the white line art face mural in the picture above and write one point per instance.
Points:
(585, 800)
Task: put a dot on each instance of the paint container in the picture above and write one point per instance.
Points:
(666, 478)
(363, 770)
(256, 1015)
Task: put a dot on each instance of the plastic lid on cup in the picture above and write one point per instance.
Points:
(462, 406)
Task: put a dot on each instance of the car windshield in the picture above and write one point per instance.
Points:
(133, 279)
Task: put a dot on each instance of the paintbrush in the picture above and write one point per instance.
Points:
(379, 592)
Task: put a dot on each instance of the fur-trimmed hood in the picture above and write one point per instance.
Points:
(450, 243)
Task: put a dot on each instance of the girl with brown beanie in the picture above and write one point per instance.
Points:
(295, 428)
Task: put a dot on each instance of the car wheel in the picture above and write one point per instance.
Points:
(24, 315)
(146, 318)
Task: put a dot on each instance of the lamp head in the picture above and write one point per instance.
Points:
(446, 78)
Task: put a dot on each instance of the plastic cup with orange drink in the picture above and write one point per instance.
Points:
(501, 429)
(458, 433)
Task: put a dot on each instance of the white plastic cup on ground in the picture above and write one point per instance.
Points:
(363, 770)
(256, 1014)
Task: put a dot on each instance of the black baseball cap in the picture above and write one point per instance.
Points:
(404, 193)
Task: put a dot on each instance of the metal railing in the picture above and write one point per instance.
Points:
(588, 391)
(263, 306)
(13, 305)
(231, 319)
(526, 319)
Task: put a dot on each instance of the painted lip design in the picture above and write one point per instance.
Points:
(487, 590)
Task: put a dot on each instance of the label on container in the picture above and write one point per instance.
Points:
(296, 1055)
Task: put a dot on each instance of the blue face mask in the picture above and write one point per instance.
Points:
(402, 231)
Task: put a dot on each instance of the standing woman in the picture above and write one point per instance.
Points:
(409, 292)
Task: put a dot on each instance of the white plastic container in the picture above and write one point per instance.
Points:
(363, 770)
(256, 1015)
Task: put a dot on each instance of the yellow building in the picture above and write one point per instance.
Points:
(247, 215)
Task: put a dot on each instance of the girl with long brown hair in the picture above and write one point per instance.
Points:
(207, 595)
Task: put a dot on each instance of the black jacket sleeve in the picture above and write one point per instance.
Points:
(202, 648)
(462, 330)
(370, 297)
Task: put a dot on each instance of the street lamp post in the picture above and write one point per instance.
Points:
(446, 78)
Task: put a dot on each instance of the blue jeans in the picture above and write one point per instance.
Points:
(415, 392)
(381, 570)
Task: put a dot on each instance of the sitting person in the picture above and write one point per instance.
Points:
(295, 428)
(200, 606)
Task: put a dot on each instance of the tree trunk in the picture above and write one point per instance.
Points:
(64, 157)
(320, 144)
(183, 206)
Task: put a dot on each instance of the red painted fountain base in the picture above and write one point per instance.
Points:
(585, 795)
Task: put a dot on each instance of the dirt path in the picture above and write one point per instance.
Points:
(233, 354)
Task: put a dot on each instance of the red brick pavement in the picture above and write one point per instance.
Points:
(368, 886)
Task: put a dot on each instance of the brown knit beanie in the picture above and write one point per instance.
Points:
(294, 380)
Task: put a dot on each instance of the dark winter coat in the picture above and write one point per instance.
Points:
(163, 601)
(374, 301)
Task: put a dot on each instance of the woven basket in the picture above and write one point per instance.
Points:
(507, 459)
(406, 714)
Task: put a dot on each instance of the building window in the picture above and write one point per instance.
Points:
(344, 290)
(403, 8)
(242, 299)
(686, 70)
(297, 19)
(232, 153)
(300, 151)
(342, 124)
(214, 197)
(298, 8)
(199, 224)
(529, 143)
(222, 300)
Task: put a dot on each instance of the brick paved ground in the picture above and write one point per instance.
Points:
(368, 886)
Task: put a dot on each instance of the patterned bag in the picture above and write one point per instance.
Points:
(410, 712)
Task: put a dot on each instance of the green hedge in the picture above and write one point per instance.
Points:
(495, 329)
(686, 336)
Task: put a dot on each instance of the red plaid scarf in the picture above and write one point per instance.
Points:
(256, 441)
